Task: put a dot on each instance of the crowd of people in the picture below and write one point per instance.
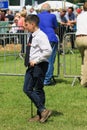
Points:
(66, 20)
(45, 27)
(63, 16)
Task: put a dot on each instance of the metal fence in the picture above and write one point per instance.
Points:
(71, 57)
(12, 50)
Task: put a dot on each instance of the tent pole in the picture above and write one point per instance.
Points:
(32, 2)
(64, 4)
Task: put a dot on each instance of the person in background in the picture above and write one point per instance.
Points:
(56, 12)
(10, 16)
(14, 26)
(17, 14)
(71, 19)
(32, 11)
(21, 24)
(40, 50)
(81, 42)
(48, 24)
(62, 21)
(7, 12)
(14, 29)
(24, 8)
(2, 15)
(78, 11)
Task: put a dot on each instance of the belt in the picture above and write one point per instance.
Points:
(81, 35)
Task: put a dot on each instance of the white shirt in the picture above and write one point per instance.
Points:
(14, 28)
(40, 48)
(82, 23)
(57, 15)
(34, 12)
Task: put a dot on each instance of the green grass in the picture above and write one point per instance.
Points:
(11, 63)
(73, 63)
(69, 104)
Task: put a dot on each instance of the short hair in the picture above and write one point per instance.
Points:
(71, 8)
(32, 18)
(45, 7)
(85, 6)
(23, 13)
(24, 7)
(63, 10)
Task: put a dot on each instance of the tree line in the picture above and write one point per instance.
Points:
(76, 1)
(29, 2)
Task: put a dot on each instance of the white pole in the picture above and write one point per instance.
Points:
(22, 3)
(64, 4)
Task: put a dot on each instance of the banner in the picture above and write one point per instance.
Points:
(4, 4)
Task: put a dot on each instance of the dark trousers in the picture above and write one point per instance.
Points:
(72, 36)
(62, 31)
(33, 84)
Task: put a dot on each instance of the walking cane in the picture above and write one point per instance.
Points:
(31, 109)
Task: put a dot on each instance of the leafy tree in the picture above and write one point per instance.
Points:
(14, 2)
(29, 2)
(77, 1)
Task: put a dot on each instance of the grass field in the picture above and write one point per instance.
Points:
(69, 104)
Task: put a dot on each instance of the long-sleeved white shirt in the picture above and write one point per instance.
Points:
(40, 48)
(82, 23)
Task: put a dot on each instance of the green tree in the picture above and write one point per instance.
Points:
(29, 2)
(77, 1)
(14, 2)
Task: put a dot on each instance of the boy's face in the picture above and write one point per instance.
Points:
(30, 26)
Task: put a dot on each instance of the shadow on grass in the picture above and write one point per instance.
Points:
(56, 113)
(59, 81)
(66, 81)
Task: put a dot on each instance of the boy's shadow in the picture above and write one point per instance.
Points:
(56, 113)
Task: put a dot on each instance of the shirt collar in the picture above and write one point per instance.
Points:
(36, 32)
(44, 11)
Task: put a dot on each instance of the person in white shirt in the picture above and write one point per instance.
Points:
(32, 11)
(14, 26)
(13, 29)
(81, 42)
(40, 50)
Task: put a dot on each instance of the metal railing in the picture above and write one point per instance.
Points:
(72, 58)
(12, 53)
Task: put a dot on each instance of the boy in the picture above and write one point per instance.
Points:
(40, 50)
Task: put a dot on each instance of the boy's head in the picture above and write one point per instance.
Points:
(31, 23)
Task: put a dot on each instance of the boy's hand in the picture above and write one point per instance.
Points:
(32, 63)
